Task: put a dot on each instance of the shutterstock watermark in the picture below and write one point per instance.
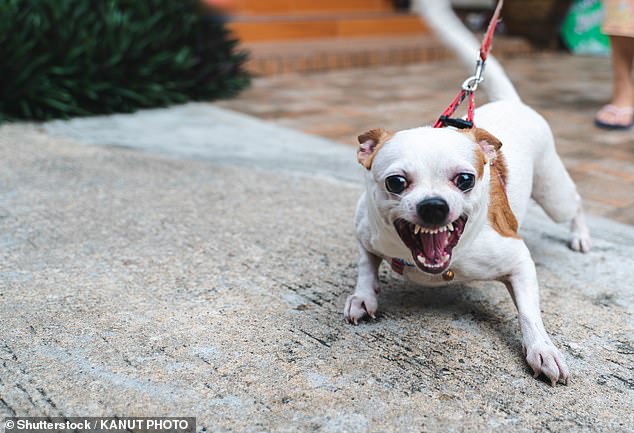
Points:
(100, 425)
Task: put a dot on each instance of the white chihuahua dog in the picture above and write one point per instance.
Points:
(445, 205)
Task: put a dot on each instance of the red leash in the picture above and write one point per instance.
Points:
(471, 84)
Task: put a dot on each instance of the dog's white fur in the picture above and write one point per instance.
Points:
(430, 157)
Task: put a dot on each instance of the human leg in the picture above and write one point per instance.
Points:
(619, 113)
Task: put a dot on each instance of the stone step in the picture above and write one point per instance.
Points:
(258, 7)
(271, 58)
(307, 26)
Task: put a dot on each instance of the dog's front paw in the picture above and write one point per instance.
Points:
(358, 306)
(546, 359)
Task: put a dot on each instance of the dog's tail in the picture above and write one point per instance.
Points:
(439, 15)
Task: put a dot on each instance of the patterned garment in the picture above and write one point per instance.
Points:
(619, 18)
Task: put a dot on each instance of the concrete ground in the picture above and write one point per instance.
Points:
(194, 262)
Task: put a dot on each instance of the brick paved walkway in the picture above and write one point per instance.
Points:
(566, 90)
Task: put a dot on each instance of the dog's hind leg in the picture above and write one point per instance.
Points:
(557, 194)
(364, 299)
(580, 239)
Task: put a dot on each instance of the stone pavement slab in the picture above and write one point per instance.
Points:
(220, 135)
(188, 282)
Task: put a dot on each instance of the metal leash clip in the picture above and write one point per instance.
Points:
(471, 83)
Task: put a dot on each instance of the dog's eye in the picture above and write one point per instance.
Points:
(396, 184)
(464, 181)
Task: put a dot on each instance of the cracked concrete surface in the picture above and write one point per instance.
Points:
(151, 283)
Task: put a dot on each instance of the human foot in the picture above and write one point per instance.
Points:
(615, 118)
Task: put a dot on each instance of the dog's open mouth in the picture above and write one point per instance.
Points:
(431, 247)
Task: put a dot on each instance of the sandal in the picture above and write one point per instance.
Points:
(622, 117)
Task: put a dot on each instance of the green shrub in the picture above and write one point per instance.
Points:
(61, 58)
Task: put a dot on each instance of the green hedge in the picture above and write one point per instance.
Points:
(62, 58)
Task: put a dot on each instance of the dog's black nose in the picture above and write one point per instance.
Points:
(433, 211)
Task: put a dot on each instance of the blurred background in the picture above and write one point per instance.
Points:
(65, 58)
(304, 35)
(333, 68)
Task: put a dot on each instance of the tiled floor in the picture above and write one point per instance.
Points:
(566, 90)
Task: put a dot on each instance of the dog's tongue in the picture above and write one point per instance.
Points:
(433, 245)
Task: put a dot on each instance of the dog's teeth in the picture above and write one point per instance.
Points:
(450, 227)
(417, 229)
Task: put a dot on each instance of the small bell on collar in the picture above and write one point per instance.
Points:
(448, 275)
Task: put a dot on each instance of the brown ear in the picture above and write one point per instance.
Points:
(501, 216)
(488, 143)
(369, 144)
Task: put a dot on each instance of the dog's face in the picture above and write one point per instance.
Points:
(430, 184)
